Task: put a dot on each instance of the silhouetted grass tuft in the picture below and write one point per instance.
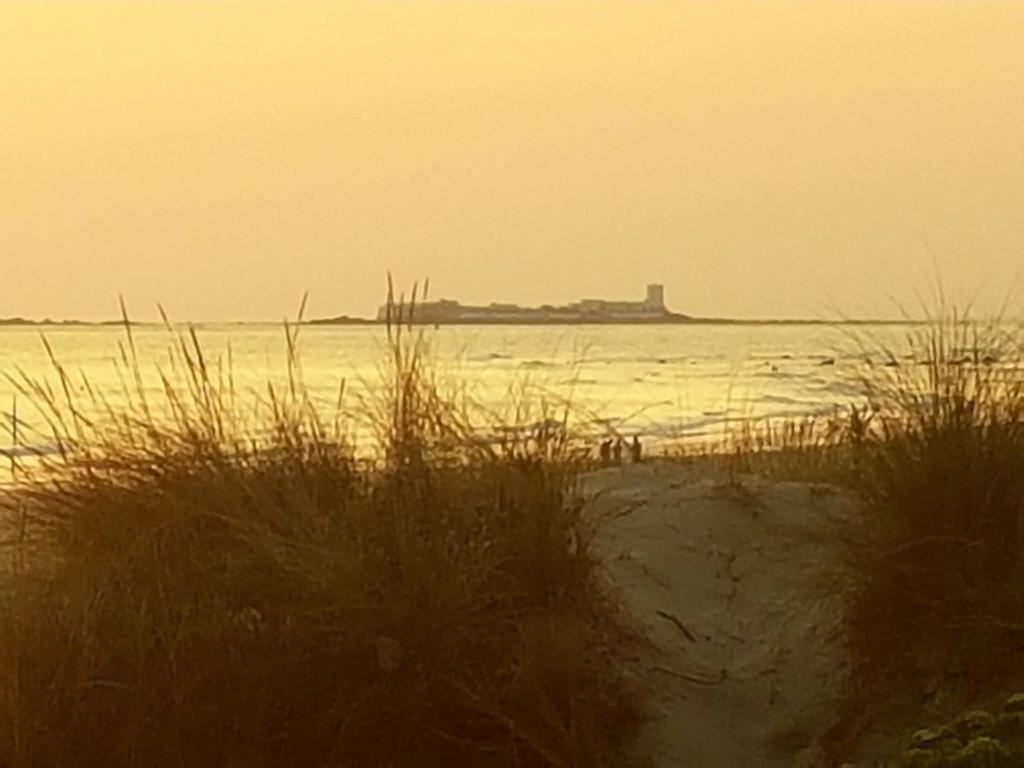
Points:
(811, 448)
(194, 585)
(933, 583)
(935, 605)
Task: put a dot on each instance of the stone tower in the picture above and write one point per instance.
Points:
(656, 296)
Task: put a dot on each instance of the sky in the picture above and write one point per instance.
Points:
(769, 158)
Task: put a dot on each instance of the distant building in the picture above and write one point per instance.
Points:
(654, 304)
(656, 296)
(650, 309)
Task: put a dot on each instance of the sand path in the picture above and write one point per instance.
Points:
(729, 581)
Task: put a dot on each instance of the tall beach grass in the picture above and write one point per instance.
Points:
(192, 582)
(937, 598)
(932, 584)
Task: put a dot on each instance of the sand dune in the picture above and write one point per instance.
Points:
(730, 582)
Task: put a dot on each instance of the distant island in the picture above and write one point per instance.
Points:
(649, 311)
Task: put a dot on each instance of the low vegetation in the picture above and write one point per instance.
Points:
(191, 584)
(933, 583)
(814, 448)
(194, 583)
(937, 596)
(975, 739)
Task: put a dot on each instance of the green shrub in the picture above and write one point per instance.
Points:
(974, 740)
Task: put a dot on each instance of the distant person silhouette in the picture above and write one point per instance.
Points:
(618, 451)
(636, 450)
(606, 451)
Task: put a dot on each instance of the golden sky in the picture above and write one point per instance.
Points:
(768, 158)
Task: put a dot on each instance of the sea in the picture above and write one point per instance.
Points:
(663, 383)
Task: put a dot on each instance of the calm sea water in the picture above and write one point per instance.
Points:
(656, 381)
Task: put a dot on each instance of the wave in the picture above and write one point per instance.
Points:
(843, 388)
(777, 374)
(26, 451)
(642, 360)
(782, 400)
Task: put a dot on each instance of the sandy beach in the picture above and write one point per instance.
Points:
(727, 579)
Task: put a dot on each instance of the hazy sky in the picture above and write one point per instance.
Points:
(769, 158)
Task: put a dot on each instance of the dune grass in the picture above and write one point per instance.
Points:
(932, 587)
(933, 580)
(936, 599)
(813, 448)
(193, 583)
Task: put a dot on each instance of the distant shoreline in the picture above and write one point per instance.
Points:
(14, 322)
(20, 322)
(679, 320)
